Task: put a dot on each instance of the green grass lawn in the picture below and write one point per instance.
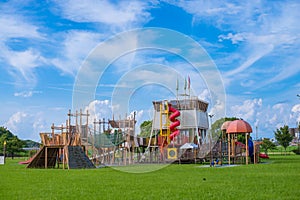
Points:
(278, 179)
(279, 150)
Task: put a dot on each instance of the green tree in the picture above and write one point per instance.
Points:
(216, 126)
(145, 128)
(283, 136)
(30, 144)
(13, 143)
(267, 144)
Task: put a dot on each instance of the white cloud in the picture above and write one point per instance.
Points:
(15, 26)
(204, 95)
(23, 94)
(138, 115)
(286, 70)
(252, 58)
(26, 125)
(295, 115)
(235, 38)
(121, 14)
(39, 124)
(296, 108)
(98, 110)
(280, 107)
(258, 30)
(26, 94)
(248, 110)
(15, 120)
(20, 63)
(265, 117)
(24, 63)
(76, 47)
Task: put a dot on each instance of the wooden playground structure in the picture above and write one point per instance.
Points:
(66, 147)
(179, 133)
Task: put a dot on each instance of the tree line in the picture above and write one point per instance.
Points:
(13, 145)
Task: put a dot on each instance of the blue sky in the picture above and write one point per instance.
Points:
(44, 44)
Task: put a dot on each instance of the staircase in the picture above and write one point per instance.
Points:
(78, 159)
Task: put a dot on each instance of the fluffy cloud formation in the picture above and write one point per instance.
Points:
(26, 125)
(98, 110)
(259, 31)
(15, 26)
(120, 14)
(74, 49)
(296, 108)
(15, 120)
(248, 110)
(17, 30)
(266, 117)
(296, 112)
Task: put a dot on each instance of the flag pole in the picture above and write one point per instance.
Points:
(189, 86)
(185, 84)
(177, 88)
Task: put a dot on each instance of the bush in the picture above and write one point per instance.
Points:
(296, 151)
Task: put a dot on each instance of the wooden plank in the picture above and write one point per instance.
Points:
(46, 157)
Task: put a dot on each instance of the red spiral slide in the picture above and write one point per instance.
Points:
(176, 122)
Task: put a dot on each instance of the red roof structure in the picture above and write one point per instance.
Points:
(225, 125)
(238, 126)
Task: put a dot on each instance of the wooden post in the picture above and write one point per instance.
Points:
(246, 134)
(133, 129)
(69, 115)
(232, 147)
(76, 120)
(67, 156)
(103, 126)
(228, 148)
(4, 150)
(87, 122)
(67, 131)
(46, 157)
(69, 128)
(63, 153)
(80, 123)
(58, 158)
(220, 146)
(52, 134)
(254, 152)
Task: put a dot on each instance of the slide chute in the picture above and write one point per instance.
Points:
(175, 122)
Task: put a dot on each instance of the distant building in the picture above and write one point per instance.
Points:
(295, 133)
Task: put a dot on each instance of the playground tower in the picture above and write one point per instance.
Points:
(193, 120)
(190, 125)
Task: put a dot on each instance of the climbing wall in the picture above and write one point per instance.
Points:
(78, 159)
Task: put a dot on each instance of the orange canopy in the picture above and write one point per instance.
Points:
(239, 126)
(225, 125)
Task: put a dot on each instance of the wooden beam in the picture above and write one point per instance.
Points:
(228, 148)
(46, 157)
(246, 134)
